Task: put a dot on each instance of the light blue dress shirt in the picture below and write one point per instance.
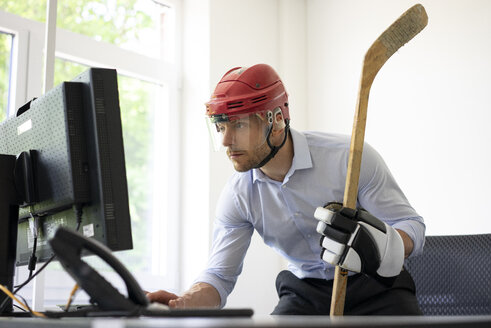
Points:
(283, 212)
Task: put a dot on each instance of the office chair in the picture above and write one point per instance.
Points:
(453, 275)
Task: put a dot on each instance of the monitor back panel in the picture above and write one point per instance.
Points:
(53, 127)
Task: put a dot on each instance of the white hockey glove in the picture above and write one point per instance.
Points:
(357, 241)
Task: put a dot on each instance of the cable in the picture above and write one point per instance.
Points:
(18, 307)
(78, 209)
(71, 297)
(33, 259)
(78, 214)
(33, 225)
(26, 282)
(25, 306)
(35, 274)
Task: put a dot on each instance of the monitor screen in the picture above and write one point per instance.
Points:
(74, 136)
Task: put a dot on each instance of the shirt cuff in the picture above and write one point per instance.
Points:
(216, 282)
(415, 229)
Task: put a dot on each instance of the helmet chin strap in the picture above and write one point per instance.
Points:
(274, 149)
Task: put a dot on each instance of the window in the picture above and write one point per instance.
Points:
(6, 41)
(30, 9)
(142, 49)
(134, 25)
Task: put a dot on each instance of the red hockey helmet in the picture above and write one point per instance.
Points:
(247, 90)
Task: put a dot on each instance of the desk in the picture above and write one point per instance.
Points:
(259, 322)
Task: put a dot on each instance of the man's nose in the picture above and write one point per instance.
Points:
(228, 138)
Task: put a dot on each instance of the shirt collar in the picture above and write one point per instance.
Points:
(301, 157)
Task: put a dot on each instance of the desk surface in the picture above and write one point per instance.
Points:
(256, 322)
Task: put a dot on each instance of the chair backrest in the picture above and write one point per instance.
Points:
(453, 275)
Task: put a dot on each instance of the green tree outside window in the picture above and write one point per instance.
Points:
(116, 22)
(5, 50)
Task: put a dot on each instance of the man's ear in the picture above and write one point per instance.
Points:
(278, 120)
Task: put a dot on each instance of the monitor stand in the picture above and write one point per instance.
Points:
(9, 217)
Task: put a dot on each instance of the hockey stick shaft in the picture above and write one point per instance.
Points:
(399, 33)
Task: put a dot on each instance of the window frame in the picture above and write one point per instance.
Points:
(19, 29)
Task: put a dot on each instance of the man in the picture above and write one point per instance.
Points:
(283, 180)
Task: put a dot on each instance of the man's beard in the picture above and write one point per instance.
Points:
(253, 158)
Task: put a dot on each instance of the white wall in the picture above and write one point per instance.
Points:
(429, 109)
(427, 112)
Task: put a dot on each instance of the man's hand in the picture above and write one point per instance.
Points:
(161, 296)
(199, 295)
(357, 241)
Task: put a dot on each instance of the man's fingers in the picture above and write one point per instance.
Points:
(332, 245)
(178, 303)
(162, 296)
(186, 301)
(332, 233)
(324, 215)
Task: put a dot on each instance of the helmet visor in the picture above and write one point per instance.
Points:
(238, 132)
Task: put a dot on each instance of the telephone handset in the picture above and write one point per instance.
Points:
(68, 246)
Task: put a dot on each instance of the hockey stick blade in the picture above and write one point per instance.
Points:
(406, 27)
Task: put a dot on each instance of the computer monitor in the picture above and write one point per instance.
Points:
(73, 135)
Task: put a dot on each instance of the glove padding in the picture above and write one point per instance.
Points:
(357, 241)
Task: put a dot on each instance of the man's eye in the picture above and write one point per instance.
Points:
(220, 128)
(240, 125)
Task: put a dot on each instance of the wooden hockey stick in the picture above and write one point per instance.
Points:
(393, 38)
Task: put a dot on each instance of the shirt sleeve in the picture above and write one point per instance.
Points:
(415, 228)
(379, 193)
(231, 238)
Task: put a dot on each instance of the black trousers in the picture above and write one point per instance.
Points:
(364, 296)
